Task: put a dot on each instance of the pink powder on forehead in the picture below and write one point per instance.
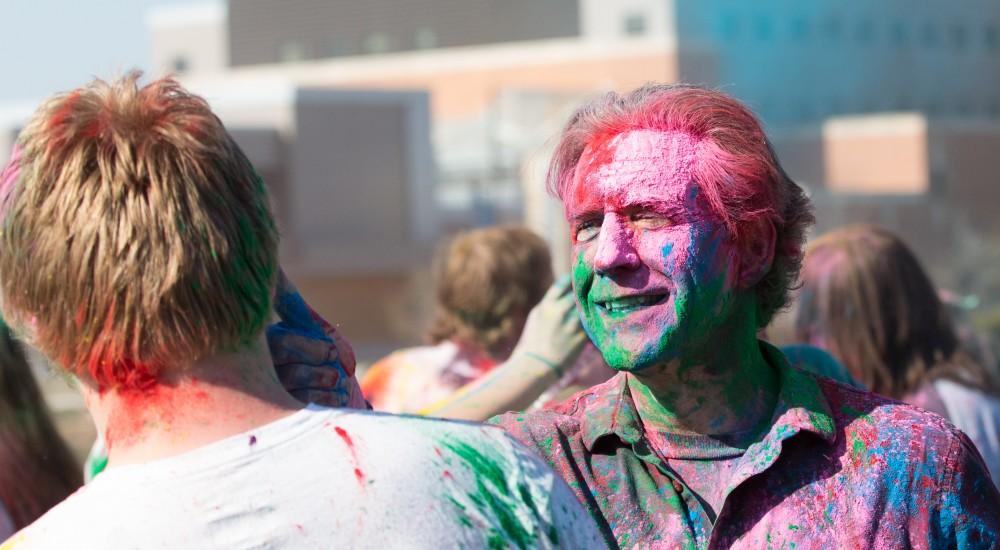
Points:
(640, 164)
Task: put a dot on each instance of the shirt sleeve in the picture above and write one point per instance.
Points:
(967, 512)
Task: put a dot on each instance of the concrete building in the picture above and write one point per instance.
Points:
(501, 78)
(794, 62)
(189, 39)
(929, 179)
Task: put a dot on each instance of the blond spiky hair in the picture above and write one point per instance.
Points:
(136, 236)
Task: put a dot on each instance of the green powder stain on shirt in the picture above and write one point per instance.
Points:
(491, 489)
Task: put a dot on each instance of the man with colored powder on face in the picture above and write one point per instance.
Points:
(687, 235)
(139, 253)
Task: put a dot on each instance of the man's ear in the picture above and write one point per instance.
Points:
(757, 255)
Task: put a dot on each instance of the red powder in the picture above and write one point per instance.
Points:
(354, 454)
(149, 403)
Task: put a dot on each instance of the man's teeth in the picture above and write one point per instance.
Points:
(630, 302)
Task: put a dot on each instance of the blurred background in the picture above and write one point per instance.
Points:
(383, 126)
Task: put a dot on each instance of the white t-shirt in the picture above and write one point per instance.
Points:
(328, 478)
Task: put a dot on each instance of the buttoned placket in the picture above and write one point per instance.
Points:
(691, 502)
(747, 468)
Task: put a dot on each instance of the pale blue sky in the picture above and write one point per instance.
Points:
(52, 45)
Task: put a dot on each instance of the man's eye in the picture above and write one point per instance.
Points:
(586, 231)
(650, 220)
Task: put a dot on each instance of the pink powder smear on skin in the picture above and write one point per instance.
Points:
(619, 169)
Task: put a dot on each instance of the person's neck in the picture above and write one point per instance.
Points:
(723, 387)
(210, 400)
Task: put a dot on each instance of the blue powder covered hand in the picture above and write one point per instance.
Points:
(313, 361)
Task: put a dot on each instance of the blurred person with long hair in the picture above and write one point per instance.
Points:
(866, 298)
(486, 283)
(37, 469)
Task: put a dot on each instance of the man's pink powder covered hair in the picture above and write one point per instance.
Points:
(736, 170)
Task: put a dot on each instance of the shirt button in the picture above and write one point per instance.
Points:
(677, 486)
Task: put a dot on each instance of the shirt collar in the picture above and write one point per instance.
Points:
(801, 407)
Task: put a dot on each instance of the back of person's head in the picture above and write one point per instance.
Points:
(136, 235)
(866, 298)
(37, 470)
(487, 281)
(737, 169)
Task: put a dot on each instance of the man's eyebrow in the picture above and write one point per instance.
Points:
(673, 207)
(586, 213)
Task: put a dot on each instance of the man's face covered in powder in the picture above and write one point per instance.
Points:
(652, 271)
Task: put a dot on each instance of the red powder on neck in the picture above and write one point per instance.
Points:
(149, 403)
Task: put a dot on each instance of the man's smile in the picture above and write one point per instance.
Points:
(628, 304)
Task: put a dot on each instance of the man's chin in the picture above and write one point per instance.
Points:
(623, 359)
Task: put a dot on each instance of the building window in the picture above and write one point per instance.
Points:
(959, 37)
(762, 28)
(899, 33)
(180, 65)
(864, 31)
(929, 34)
(377, 42)
(833, 28)
(425, 39)
(291, 51)
(800, 29)
(339, 48)
(634, 24)
(991, 37)
(729, 28)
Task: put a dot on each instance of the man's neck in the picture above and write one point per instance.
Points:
(724, 388)
(215, 398)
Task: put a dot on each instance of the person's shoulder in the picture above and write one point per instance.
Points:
(563, 420)
(482, 476)
(418, 434)
(76, 522)
(892, 424)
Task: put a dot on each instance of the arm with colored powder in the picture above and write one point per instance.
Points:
(313, 361)
(551, 341)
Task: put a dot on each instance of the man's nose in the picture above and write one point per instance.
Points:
(615, 249)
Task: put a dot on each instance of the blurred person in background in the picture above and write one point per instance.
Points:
(552, 360)
(37, 469)
(486, 283)
(866, 298)
(139, 253)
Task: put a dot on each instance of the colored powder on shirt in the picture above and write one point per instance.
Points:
(491, 484)
(360, 475)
